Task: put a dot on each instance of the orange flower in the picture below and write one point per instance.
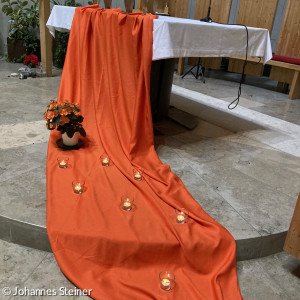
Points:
(56, 113)
(52, 125)
(53, 105)
(50, 115)
(77, 113)
(64, 112)
(64, 120)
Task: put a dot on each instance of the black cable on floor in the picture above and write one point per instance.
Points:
(236, 101)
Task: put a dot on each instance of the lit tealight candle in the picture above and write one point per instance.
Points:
(62, 164)
(127, 202)
(105, 161)
(78, 186)
(138, 175)
(127, 205)
(180, 218)
(181, 215)
(166, 283)
(166, 279)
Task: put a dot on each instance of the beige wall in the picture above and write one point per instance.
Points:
(3, 31)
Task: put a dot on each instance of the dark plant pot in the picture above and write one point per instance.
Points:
(15, 49)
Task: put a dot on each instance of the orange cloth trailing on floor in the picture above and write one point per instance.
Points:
(97, 245)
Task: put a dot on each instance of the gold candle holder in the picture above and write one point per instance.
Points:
(166, 279)
(78, 186)
(127, 202)
(63, 162)
(105, 160)
(181, 215)
(138, 174)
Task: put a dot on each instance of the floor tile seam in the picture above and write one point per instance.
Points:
(282, 287)
(266, 184)
(268, 144)
(34, 87)
(271, 279)
(22, 174)
(23, 83)
(30, 274)
(209, 185)
(234, 209)
(24, 145)
(228, 154)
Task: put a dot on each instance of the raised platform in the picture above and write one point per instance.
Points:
(244, 176)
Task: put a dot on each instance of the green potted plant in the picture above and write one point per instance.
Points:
(66, 118)
(24, 19)
(60, 43)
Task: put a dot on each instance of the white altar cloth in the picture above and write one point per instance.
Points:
(175, 37)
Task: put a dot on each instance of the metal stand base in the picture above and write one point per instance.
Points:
(200, 71)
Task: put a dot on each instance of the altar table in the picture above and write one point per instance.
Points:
(176, 37)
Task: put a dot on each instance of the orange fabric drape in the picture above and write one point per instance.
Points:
(98, 246)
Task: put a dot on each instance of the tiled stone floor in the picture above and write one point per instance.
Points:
(258, 93)
(246, 185)
(272, 278)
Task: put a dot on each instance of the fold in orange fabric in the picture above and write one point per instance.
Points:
(116, 253)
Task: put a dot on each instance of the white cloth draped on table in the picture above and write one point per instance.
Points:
(175, 37)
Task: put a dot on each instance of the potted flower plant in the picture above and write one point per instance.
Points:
(66, 118)
(31, 61)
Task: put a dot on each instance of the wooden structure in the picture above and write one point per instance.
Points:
(289, 38)
(253, 14)
(256, 13)
(177, 8)
(220, 11)
(288, 45)
(292, 242)
(45, 37)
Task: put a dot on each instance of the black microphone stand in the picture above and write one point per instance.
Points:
(200, 70)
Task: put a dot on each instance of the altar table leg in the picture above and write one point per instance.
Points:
(161, 80)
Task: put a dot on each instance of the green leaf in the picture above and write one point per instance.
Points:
(80, 119)
(82, 132)
(56, 120)
(70, 131)
(24, 3)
